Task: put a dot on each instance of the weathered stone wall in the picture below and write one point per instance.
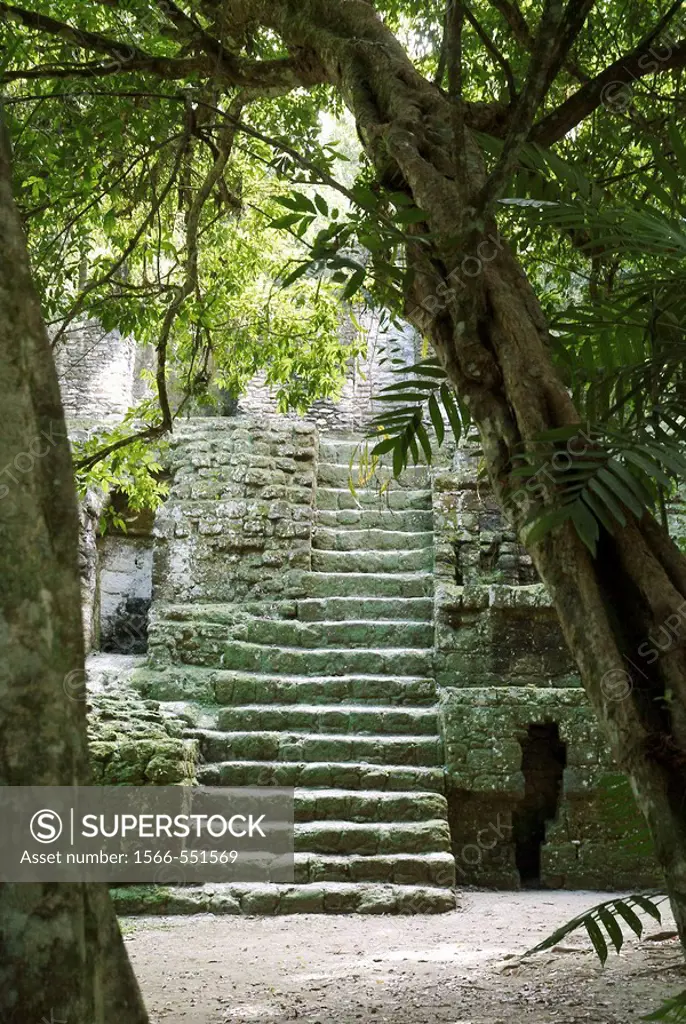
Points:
(99, 374)
(598, 839)
(125, 592)
(503, 666)
(238, 522)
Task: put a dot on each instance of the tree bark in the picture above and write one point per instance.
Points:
(471, 298)
(62, 956)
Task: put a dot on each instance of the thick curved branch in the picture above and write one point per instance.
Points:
(218, 63)
(611, 84)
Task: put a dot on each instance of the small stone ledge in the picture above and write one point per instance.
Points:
(258, 900)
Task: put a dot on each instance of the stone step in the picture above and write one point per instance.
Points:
(401, 869)
(424, 751)
(412, 521)
(322, 774)
(340, 474)
(259, 899)
(331, 661)
(187, 683)
(328, 539)
(205, 641)
(372, 561)
(323, 718)
(342, 449)
(236, 688)
(414, 609)
(368, 805)
(372, 839)
(397, 500)
(352, 633)
(351, 584)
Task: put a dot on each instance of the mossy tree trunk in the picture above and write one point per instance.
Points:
(492, 337)
(62, 956)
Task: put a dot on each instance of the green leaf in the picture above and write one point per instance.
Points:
(424, 441)
(286, 221)
(647, 905)
(400, 455)
(598, 510)
(608, 500)
(452, 411)
(385, 446)
(436, 419)
(626, 913)
(619, 488)
(586, 525)
(544, 523)
(411, 216)
(299, 271)
(672, 1011)
(355, 282)
(298, 202)
(596, 937)
(609, 922)
(648, 465)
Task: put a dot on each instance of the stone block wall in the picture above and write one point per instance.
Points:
(506, 676)
(238, 523)
(100, 373)
(125, 586)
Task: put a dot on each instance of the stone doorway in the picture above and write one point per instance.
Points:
(544, 757)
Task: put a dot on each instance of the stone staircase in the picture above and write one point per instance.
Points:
(334, 695)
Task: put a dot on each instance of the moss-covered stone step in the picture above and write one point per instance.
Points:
(294, 746)
(333, 539)
(340, 448)
(340, 474)
(332, 661)
(187, 683)
(397, 500)
(372, 839)
(323, 718)
(352, 584)
(357, 632)
(368, 805)
(372, 561)
(260, 899)
(322, 774)
(412, 521)
(434, 869)
(204, 642)
(415, 609)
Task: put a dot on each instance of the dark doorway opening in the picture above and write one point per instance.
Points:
(544, 757)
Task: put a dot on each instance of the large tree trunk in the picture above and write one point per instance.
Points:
(487, 326)
(62, 956)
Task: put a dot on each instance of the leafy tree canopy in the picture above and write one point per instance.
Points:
(174, 173)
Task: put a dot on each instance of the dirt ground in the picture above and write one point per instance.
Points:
(460, 968)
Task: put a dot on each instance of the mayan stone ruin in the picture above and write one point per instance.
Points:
(385, 648)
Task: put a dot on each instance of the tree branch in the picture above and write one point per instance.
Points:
(499, 58)
(290, 73)
(524, 36)
(557, 31)
(80, 302)
(610, 84)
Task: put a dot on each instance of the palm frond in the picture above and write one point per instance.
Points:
(421, 399)
(604, 923)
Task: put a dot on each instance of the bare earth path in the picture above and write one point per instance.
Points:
(447, 969)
